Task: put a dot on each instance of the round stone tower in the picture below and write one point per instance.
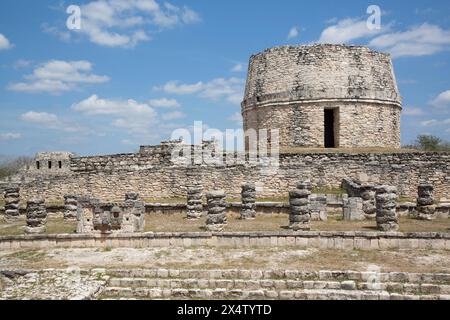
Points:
(324, 96)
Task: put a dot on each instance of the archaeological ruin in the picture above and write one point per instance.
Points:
(340, 183)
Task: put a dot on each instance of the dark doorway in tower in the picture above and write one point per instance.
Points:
(329, 122)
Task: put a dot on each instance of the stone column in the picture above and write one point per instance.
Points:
(70, 207)
(36, 216)
(386, 216)
(137, 211)
(300, 215)
(217, 207)
(248, 206)
(12, 198)
(353, 209)
(367, 193)
(318, 206)
(194, 202)
(425, 207)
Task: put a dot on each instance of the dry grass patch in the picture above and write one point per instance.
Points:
(55, 225)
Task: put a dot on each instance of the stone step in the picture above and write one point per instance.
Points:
(365, 276)
(276, 284)
(303, 294)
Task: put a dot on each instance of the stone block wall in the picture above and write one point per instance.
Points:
(288, 88)
(109, 177)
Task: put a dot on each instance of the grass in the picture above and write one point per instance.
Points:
(318, 190)
(55, 225)
(279, 222)
(173, 200)
(263, 222)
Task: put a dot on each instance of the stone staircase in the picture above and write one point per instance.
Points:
(272, 284)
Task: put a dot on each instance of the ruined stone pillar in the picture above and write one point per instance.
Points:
(70, 207)
(386, 216)
(12, 198)
(137, 211)
(367, 193)
(425, 202)
(248, 206)
(36, 216)
(318, 206)
(353, 209)
(217, 207)
(194, 202)
(300, 214)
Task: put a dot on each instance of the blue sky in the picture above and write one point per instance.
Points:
(138, 69)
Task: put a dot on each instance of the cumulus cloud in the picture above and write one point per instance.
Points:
(434, 122)
(164, 103)
(7, 136)
(442, 100)
(238, 67)
(48, 121)
(125, 23)
(422, 40)
(347, 30)
(4, 43)
(410, 111)
(231, 90)
(293, 33)
(57, 76)
(137, 118)
(173, 115)
(22, 63)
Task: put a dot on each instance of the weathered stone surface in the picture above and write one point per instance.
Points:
(194, 201)
(121, 217)
(36, 216)
(300, 211)
(425, 208)
(70, 207)
(248, 198)
(289, 87)
(386, 198)
(317, 205)
(12, 199)
(353, 209)
(216, 219)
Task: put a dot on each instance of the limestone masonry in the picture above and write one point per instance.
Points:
(324, 96)
(317, 96)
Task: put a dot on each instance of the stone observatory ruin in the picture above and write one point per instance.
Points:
(324, 96)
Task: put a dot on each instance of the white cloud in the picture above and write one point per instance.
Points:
(422, 40)
(137, 118)
(4, 43)
(57, 76)
(236, 117)
(347, 30)
(293, 33)
(442, 100)
(125, 23)
(434, 122)
(48, 120)
(231, 90)
(238, 67)
(10, 136)
(164, 103)
(22, 63)
(173, 115)
(410, 111)
(173, 87)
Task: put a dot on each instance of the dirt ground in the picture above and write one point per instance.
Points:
(231, 258)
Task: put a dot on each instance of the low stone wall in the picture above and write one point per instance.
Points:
(360, 240)
(110, 177)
